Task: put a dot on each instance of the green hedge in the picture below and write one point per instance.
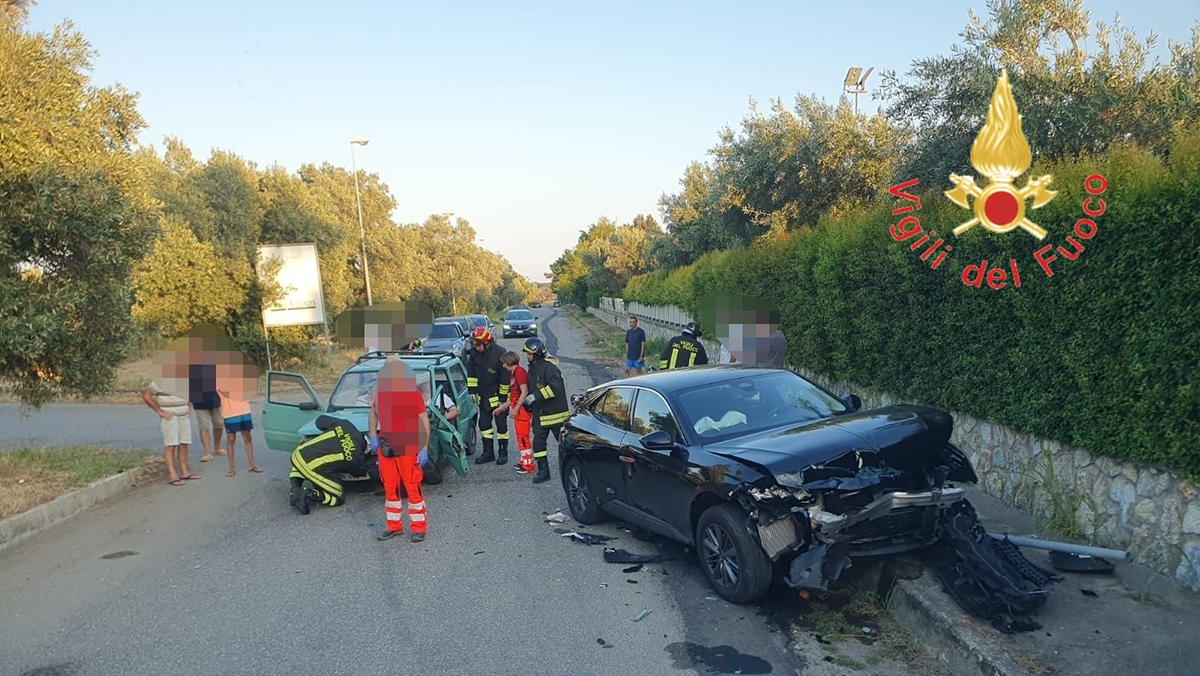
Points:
(1104, 355)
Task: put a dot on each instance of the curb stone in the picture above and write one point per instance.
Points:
(20, 526)
(928, 613)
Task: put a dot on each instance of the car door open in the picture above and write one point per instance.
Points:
(291, 403)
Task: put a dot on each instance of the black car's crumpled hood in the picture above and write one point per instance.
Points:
(904, 436)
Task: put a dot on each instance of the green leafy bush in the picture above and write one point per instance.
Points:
(1104, 355)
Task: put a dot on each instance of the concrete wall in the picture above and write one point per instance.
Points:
(1152, 512)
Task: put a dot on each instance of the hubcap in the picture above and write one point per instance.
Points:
(577, 490)
(720, 556)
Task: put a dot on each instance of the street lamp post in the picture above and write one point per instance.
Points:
(453, 300)
(856, 83)
(362, 232)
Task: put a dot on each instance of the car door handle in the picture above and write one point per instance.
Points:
(626, 458)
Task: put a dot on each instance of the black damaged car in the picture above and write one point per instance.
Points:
(762, 471)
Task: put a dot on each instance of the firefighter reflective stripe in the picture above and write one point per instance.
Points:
(493, 401)
(662, 364)
(472, 382)
(323, 437)
(488, 433)
(503, 436)
(299, 465)
(295, 474)
(539, 454)
(546, 391)
(551, 419)
(504, 389)
(325, 460)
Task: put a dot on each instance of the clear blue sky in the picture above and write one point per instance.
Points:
(530, 119)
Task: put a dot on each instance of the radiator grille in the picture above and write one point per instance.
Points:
(777, 536)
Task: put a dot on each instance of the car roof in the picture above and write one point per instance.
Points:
(677, 380)
(417, 361)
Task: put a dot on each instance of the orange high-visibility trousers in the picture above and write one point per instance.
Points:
(524, 441)
(394, 472)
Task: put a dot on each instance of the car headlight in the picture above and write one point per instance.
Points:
(507, 326)
(455, 348)
(533, 326)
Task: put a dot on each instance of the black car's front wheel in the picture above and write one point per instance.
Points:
(734, 562)
(580, 499)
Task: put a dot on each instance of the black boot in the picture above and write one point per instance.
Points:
(502, 456)
(543, 471)
(488, 455)
(306, 495)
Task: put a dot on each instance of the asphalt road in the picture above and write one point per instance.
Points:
(221, 577)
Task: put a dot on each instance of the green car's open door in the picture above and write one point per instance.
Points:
(291, 404)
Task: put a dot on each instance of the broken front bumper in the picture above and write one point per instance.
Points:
(895, 522)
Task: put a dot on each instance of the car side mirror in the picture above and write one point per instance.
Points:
(308, 406)
(659, 440)
(576, 401)
(852, 401)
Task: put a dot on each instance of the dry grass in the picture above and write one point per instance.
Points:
(33, 476)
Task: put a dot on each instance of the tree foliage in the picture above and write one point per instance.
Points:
(75, 215)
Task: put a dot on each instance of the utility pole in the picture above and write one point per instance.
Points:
(362, 232)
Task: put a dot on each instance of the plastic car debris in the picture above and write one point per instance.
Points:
(622, 556)
(587, 538)
(1089, 592)
(1079, 563)
(557, 517)
(987, 577)
(642, 615)
(632, 569)
(1052, 546)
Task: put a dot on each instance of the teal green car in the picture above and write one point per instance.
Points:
(292, 407)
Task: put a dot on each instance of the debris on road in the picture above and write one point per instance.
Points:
(557, 517)
(1080, 563)
(478, 553)
(1089, 592)
(586, 538)
(633, 569)
(631, 581)
(710, 598)
(642, 615)
(622, 556)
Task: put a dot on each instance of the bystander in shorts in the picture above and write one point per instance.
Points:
(634, 364)
(208, 419)
(240, 423)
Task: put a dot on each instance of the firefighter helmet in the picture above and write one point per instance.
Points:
(482, 335)
(692, 328)
(535, 347)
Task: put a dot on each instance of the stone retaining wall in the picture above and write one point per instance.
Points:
(1149, 511)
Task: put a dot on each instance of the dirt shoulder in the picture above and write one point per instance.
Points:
(34, 476)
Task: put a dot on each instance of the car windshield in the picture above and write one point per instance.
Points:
(445, 331)
(755, 403)
(357, 388)
(518, 316)
(479, 321)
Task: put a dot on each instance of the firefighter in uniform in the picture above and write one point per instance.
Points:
(317, 464)
(547, 402)
(488, 381)
(684, 350)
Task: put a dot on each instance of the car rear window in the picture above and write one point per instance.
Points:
(755, 403)
(445, 331)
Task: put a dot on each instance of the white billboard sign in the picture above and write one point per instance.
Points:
(300, 277)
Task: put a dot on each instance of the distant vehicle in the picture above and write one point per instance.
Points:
(464, 322)
(446, 337)
(520, 306)
(292, 407)
(536, 304)
(519, 323)
(478, 321)
(558, 303)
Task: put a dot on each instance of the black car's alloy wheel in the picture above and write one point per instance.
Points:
(580, 499)
(735, 564)
(720, 556)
